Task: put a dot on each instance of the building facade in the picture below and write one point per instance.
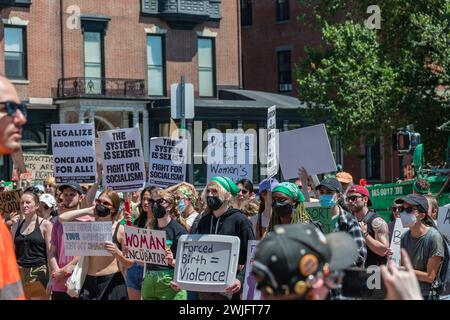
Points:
(79, 61)
(273, 41)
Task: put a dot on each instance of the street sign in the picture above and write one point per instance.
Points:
(176, 101)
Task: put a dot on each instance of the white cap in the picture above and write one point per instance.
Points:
(48, 199)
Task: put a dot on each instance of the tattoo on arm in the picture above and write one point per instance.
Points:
(381, 230)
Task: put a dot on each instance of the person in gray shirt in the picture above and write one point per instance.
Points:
(424, 244)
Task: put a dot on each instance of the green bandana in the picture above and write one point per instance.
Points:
(227, 184)
(291, 190)
(187, 192)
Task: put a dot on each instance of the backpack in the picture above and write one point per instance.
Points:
(441, 285)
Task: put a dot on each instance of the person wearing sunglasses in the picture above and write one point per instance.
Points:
(12, 120)
(245, 191)
(47, 205)
(373, 226)
(395, 214)
(423, 243)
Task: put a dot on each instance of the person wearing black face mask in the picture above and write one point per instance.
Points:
(287, 205)
(221, 218)
(156, 283)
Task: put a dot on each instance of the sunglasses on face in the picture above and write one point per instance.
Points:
(396, 209)
(160, 201)
(11, 108)
(353, 198)
(104, 203)
(409, 209)
(243, 191)
(44, 206)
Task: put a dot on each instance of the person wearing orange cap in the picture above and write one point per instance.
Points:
(374, 228)
(345, 179)
(12, 118)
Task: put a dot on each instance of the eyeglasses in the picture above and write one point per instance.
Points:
(409, 209)
(353, 198)
(11, 108)
(104, 203)
(243, 191)
(396, 209)
(160, 201)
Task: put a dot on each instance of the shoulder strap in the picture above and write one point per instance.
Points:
(370, 216)
(115, 235)
(21, 222)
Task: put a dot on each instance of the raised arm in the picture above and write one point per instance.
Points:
(74, 214)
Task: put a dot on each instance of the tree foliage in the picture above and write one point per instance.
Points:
(370, 82)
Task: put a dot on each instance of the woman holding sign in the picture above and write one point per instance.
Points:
(32, 242)
(156, 284)
(104, 279)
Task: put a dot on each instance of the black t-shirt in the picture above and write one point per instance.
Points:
(174, 230)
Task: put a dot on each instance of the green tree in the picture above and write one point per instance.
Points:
(369, 82)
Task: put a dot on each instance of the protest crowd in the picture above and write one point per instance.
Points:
(102, 237)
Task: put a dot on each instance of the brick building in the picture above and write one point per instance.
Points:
(273, 41)
(76, 61)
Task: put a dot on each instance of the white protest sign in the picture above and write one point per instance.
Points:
(206, 263)
(146, 245)
(307, 147)
(73, 153)
(123, 161)
(167, 165)
(86, 238)
(443, 221)
(399, 230)
(39, 165)
(230, 155)
(272, 160)
(250, 292)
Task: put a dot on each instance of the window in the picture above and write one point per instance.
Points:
(282, 10)
(284, 71)
(373, 160)
(15, 52)
(246, 12)
(206, 67)
(93, 62)
(156, 72)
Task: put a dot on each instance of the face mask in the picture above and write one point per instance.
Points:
(408, 220)
(327, 200)
(159, 211)
(181, 205)
(102, 211)
(214, 202)
(282, 209)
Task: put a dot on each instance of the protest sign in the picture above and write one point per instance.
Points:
(87, 238)
(38, 167)
(10, 201)
(73, 153)
(320, 214)
(123, 161)
(146, 245)
(443, 221)
(98, 150)
(250, 292)
(395, 241)
(230, 155)
(305, 147)
(206, 263)
(19, 161)
(167, 165)
(272, 160)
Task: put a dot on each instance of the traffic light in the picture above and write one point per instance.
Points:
(405, 141)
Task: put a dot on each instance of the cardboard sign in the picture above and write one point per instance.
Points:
(250, 292)
(19, 161)
(206, 263)
(306, 147)
(443, 221)
(396, 239)
(38, 166)
(10, 201)
(321, 214)
(74, 153)
(98, 150)
(86, 238)
(272, 160)
(146, 245)
(167, 162)
(230, 155)
(123, 161)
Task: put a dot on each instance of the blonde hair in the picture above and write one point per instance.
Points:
(221, 193)
(50, 181)
(170, 199)
(250, 207)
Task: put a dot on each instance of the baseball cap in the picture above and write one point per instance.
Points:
(48, 199)
(344, 177)
(416, 200)
(74, 185)
(331, 183)
(291, 253)
(362, 191)
(266, 185)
